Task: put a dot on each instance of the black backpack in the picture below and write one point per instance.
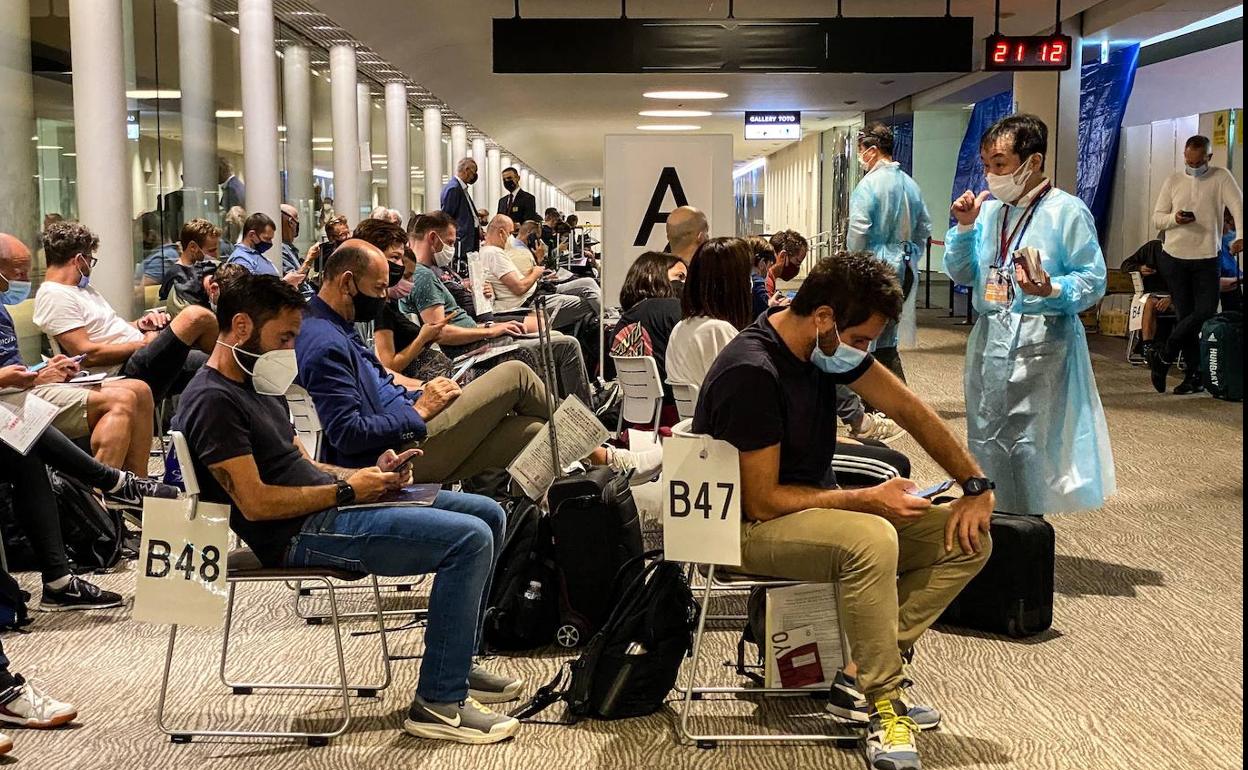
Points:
(95, 537)
(630, 666)
(1222, 356)
(523, 605)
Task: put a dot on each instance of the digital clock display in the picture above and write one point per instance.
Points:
(1006, 53)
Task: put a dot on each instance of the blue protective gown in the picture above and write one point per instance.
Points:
(1033, 413)
(887, 216)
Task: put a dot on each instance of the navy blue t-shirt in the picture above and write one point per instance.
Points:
(758, 394)
(10, 354)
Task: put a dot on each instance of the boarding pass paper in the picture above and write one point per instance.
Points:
(579, 432)
(23, 420)
(796, 617)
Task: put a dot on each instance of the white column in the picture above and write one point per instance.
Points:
(258, 61)
(416, 153)
(346, 130)
(103, 157)
(459, 151)
(481, 190)
(297, 94)
(433, 158)
(199, 124)
(398, 168)
(503, 162)
(19, 214)
(1054, 98)
(364, 125)
(493, 171)
(526, 182)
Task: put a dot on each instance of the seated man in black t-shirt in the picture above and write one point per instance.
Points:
(771, 393)
(294, 512)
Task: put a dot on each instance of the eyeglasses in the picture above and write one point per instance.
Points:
(91, 261)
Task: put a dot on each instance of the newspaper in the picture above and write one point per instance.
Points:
(23, 419)
(580, 432)
(476, 274)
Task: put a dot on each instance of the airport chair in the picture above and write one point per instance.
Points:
(723, 577)
(242, 566)
(686, 396)
(641, 391)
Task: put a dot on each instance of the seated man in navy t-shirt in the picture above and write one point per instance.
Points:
(900, 561)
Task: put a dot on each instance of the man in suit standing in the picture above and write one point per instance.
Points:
(233, 192)
(457, 203)
(518, 204)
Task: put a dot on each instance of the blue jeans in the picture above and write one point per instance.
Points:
(458, 539)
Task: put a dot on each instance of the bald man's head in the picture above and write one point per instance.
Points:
(14, 257)
(500, 227)
(687, 229)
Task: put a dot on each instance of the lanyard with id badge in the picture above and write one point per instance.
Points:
(999, 288)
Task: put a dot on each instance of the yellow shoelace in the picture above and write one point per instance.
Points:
(898, 730)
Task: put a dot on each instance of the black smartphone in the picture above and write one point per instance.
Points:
(931, 492)
(1188, 214)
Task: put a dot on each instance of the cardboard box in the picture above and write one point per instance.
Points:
(1115, 314)
(1091, 324)
(1119, 282)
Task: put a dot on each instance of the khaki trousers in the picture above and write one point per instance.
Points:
(486, 427)
(895, 579)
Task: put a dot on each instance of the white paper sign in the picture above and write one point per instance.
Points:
(23, 419)
(701, 501)
(645, 179)
(794, 615)
(476, 274)
(182, 563)
(1136, 321)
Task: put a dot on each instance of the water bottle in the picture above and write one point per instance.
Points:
(533, 594)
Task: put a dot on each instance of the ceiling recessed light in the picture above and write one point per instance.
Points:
(675, 113)
(229, 113)
(668, 127)
(685, 95)
(153, 93)
(322, 140)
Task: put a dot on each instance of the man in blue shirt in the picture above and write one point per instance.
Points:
(363, 411)
(160, 256)
(258, 232)
(1230, 274)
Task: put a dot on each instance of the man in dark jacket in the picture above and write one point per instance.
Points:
(518, 204)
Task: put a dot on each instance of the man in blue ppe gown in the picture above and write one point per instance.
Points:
(888, 218)
(1034, 417)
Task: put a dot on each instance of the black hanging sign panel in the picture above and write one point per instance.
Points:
(1012, 53)
(849, 44)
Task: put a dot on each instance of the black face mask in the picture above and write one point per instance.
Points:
(472, 179)
(366, 308)
(510, 184)
(396, 274)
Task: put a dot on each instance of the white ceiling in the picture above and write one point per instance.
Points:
(557, 122)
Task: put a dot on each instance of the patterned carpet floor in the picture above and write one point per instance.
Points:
(1143, 668)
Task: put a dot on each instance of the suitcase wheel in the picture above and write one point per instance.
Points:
(569, 635)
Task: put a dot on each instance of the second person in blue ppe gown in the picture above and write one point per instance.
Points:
(1034, 416)
(888, 218)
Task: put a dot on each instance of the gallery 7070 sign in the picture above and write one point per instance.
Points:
(645, 178)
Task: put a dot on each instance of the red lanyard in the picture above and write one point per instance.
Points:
(1020, 229)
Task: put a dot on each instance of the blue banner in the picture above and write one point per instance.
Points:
(970, 171)
(1103, 94)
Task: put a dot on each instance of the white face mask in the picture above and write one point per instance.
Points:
(863, 163)
(273, 373)
(1008, 188)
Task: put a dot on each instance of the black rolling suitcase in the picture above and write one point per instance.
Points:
(596, 530)
(1013, 593)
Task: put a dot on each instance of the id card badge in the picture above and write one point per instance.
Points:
(997, 287)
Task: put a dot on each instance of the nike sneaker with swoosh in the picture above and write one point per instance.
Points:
(464, 722)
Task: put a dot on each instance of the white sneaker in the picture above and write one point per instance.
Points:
(645, 464)
(6, 744)
(877, 427)
(27, 705)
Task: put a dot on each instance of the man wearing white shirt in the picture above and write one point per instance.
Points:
(160, 351)
(512, 285)
(1189, 213)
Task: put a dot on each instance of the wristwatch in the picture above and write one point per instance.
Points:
(976, 486)
(346, 493)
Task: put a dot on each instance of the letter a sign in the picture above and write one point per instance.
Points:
(645, 179)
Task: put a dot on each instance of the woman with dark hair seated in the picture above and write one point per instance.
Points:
(650, 311)
(717, 304)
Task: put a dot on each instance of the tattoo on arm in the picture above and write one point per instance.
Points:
(338, 472)
(226, 481)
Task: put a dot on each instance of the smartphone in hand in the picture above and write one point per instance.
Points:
(932, 491)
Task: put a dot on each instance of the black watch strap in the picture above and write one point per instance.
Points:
(346, 493)
(977, 485)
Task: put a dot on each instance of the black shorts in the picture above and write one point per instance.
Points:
(166, 364)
